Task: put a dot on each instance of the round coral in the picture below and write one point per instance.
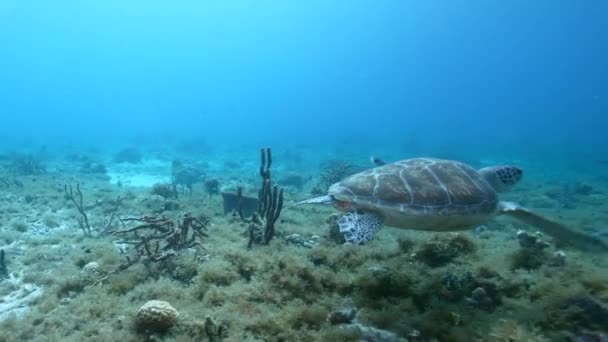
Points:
(156, 315)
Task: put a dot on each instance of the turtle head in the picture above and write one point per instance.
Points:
(502, 178)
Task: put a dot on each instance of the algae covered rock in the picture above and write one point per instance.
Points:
(443, 249)
(333, 230)
(156, 315)
(343, 315)
(91, 269)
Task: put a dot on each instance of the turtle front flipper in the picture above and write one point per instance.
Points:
(561, 233)
(359, 227)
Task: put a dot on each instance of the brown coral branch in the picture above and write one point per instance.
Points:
(83, 221)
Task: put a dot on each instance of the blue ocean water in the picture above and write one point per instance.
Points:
(488, 78)
(158, 109)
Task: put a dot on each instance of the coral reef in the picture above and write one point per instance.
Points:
(239, 204)
(299, 241)
(214, 331)
(443, 249)
(165, 190)
(185, 176)
(533, 253)
(26, 165)
(343, 315)
(146, 244)
(333, 230)
(156, 315)
(156, 238)
(480, 298)
(212, 187)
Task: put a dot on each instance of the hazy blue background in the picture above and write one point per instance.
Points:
(527, 75)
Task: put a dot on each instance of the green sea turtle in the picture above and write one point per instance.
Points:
(434, 195)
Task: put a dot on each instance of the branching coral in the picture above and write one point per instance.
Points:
(334, 171)
(165, 234)
(156, 239)
(83, 220)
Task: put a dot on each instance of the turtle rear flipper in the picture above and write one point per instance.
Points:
(325, 199)
(359, 227)
(563, 234)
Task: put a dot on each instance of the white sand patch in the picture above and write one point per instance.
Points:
(138, 180)
(19, 298)
(146, 174)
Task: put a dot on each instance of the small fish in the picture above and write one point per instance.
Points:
(377, 161)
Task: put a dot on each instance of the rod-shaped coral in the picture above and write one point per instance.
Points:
(270, 199)
(3, 269)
